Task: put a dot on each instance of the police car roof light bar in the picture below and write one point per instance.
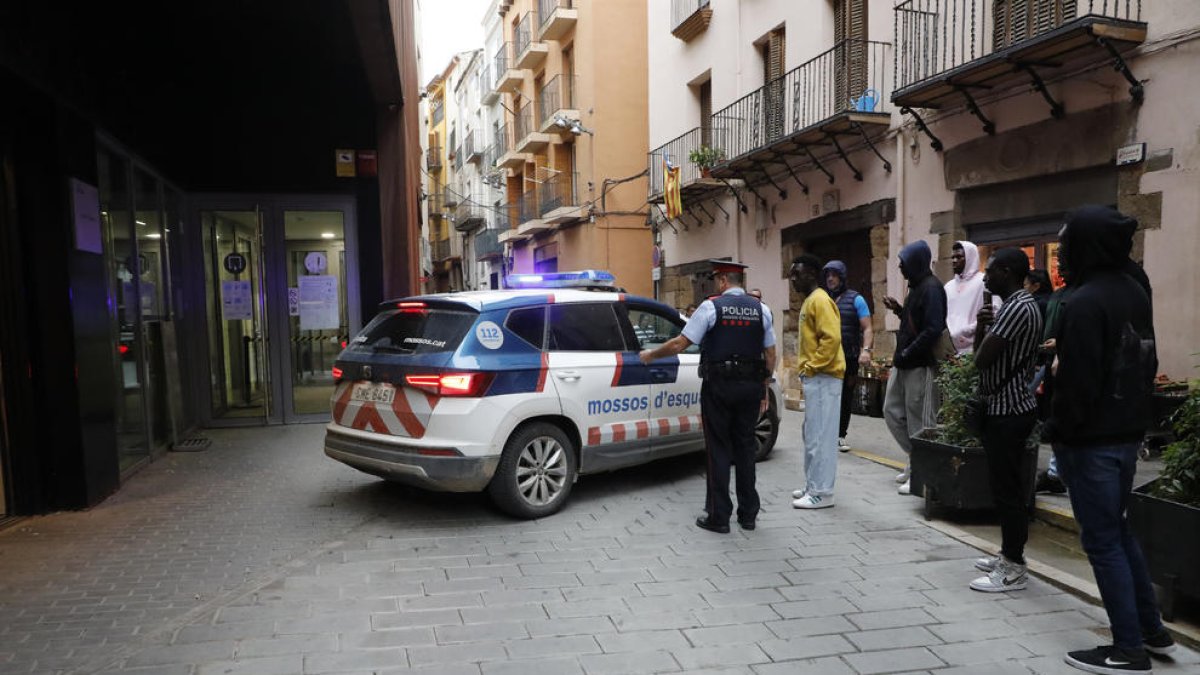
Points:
(579, 279)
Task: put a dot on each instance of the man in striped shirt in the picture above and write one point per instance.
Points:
(1005, 353)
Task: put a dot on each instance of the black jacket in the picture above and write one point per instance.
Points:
(923, 317)
(1106, 349)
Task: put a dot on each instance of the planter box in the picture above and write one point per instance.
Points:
(1173, 560)
(957, 477)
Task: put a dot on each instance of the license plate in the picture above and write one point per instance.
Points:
(373, 392)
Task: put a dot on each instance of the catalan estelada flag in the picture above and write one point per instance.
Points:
(671, 193)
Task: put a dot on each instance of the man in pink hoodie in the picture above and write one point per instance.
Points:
(964, 295)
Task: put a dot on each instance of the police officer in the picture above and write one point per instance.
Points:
(737, 358)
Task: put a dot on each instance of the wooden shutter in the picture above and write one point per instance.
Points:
(706, 113)
(773, 98)
(852, 59)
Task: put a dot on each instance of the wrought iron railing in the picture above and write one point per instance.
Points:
(434, 205)
(527, 207)
(849, 77)
(470, 149)
(523, 35)
(936, 36)
(458, 158)
(433, 158)
(450, 197)
(546, 9)
(500, 64)
(470, 213)
(487, 244)
(557, 94)
(676, 152)
(501, 145)
(681, 10)
(556, 192)
(523, 122)
(440, 249)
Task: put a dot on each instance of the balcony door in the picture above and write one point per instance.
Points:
(281, 298)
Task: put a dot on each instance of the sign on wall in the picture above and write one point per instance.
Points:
(236, 302)
(318, 302)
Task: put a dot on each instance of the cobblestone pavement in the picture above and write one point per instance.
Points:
(261, 556)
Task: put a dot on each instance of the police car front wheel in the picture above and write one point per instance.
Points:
(536, 472)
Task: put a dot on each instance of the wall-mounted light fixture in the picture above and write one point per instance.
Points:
(574, 126)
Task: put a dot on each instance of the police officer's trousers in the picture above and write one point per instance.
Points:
(730, 411)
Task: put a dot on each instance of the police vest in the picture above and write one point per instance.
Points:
(737, 332)
(851, 331)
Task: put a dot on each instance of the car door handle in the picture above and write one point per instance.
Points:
(567, 375)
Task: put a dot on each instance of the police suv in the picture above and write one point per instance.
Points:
(518, 391)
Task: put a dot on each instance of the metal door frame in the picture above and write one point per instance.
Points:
(272, 294)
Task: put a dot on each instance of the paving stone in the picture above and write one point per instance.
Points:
(284, 645)
(893, 638)
(474, 652)
(984, 651)
(629, 663)
(894, 618)
(893, 660)
(639, 641)
(184, 653)
(691, 660)
(565, 666)
(726, 616)
(806, 647)
(356, 660)
(481, 632)
(411, 619)
(270, 665)
(628, 622)
(728, 635)
(813, 608)
(579, 626)
(541, 647)
(383, 639)
(970, 631)
(823, 666)
(791, 628)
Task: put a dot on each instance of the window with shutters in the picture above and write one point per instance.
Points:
(704, 92)
(773, 85)
(850, 57)
(1017, 20)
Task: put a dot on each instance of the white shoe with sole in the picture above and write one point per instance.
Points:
(1006, 576)
(813, 502)
(987, 564)
(799, 494)
(843, 446)
(905, 489)
(902, 477)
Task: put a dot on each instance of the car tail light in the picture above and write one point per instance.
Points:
(124, 349)
(414, 307)
(337, 374)
(451, 384)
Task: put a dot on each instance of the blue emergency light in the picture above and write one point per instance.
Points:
(580, 279)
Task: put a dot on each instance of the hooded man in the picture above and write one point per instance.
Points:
(909, 404)
(857, 337)
(1098, 417)
(964, 295)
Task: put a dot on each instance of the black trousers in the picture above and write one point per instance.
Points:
(848, 383)
(1011, 476)
(730, 411)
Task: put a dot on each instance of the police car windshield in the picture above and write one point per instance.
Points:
(407, 331)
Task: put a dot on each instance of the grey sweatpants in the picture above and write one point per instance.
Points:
(910, 404)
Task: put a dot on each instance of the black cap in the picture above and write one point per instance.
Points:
(724, 266)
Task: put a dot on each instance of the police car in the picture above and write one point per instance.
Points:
(519, 391)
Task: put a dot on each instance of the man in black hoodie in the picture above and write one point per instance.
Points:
(910, 403)
(1099, 413)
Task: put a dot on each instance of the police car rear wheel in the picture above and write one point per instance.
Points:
(536, 472)
(766, 431)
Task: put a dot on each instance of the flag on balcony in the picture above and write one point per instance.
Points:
(671, 195)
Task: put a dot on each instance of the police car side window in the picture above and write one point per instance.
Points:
(529, 324)
(585, 327)
(653, 328)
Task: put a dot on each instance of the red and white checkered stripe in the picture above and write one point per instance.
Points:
(408, 415)
(619, 432)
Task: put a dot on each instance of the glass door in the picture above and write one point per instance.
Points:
(281, 296)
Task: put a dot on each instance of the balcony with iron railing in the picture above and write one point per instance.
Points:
(433, 158)
(500, 145)
(515, 213)
(528, 212)
(527, 137)
(528, 48)
(470, 214)
(508, 77)
(458, 158)
(450, 196)
(558, 18)
(434, 205)
(840, 92)
(439, 249)
(472, 148)
(948, 51)
(558, 202)
(437, 111)
(689, 18)
(487, 244)
(556, 101)
(677, 153)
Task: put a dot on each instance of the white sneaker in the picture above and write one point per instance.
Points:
(905, 489)
(799, 494)
(987, 564)
(902, 477)
(1006, 576)
(813, 502)
(843, 446)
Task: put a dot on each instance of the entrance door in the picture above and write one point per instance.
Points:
(281, 299)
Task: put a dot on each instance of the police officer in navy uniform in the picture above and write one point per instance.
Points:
(737, 358)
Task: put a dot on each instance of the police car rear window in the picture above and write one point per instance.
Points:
(414, 332)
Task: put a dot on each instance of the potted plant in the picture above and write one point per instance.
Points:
(705, 157)
(1163, 511)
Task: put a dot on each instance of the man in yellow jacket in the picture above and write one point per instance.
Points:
(822, 366)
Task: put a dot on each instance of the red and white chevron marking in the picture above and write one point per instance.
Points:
(408, 415)
(618, 432)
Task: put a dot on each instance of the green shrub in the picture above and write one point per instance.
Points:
(705, 157)
(957, 381)
(1180, 478)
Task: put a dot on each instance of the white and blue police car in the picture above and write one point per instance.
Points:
(518, 391)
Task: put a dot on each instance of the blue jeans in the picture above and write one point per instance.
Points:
(1099, 479)
(822, 414)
